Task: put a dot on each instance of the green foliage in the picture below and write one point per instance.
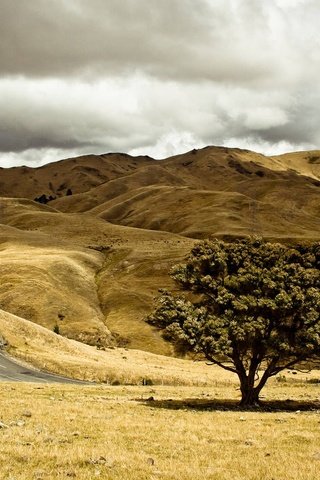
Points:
(253, 306)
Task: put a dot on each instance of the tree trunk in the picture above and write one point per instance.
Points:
(249, 393)
(250, 397)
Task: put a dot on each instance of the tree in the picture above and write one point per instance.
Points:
(253, 308)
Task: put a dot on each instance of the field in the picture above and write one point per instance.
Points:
(159, 432)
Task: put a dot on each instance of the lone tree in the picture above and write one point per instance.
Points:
(254, 308)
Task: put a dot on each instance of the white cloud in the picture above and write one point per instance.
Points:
(35, 157)
(267, 148)
(156, 77)
(170, 144)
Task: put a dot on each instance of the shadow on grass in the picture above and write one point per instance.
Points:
(231, 405)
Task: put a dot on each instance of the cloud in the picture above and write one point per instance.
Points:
(235, 40)
(170, 144)
(64, 114)
(35, 157)
(78, 37)
(79, 77)
(140, 113)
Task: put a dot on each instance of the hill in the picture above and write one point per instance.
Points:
(83, 274)
(90, 259)
(213, 191)
(79, 174)
(43, 349)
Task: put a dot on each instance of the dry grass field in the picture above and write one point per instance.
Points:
(186, 424)
(184, 433)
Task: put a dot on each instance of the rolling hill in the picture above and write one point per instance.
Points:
(89, 260)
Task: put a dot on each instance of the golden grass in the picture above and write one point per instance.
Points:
(54, 353)
(49, 284)
(306, 163)
(127, 285)
(86, 432)
(50, 276)
(198, 213)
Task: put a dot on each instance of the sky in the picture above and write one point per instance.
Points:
(157, 77)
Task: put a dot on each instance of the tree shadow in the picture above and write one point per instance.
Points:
(231, 405)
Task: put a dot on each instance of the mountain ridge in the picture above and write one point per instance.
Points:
(93, 170)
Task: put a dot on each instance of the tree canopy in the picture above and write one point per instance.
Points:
(252, 307)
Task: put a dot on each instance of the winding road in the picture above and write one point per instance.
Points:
(11, 371)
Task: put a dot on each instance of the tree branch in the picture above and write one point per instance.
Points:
(267, 373)
(220, 364)
(287, 365)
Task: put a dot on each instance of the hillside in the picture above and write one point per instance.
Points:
(213, 191)
(79, 174)
(43, 349)
(91, 259)
(304, 163)
(83, 274)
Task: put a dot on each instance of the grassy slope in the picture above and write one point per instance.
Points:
(54, 353)
(305, 163)
(49, 281)
(80, 174)
(84, 274)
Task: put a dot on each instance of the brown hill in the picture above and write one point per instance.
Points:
(91, 262)
(83, 274)
(213, 191)
(79, 174)
(304, 163)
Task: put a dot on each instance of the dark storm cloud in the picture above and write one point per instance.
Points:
(156, 76)
(229, 40)
(66, 37)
